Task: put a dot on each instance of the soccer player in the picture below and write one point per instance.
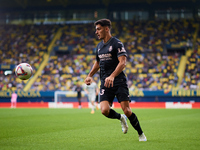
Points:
(111, 59)
(13, 100)
(78, 89)
(91, 91)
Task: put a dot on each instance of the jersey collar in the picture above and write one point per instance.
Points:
(108, 41)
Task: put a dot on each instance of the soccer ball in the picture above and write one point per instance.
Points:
(24, 71)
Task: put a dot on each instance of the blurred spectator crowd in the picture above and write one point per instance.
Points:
(151, 64)
(22, 43)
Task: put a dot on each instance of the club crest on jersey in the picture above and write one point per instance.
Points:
(110, 49)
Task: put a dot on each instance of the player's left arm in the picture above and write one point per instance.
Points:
(121, 65)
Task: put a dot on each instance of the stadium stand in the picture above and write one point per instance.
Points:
(191, 76)
(19, 44)
(150, 65)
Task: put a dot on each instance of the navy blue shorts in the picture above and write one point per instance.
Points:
(120, 91)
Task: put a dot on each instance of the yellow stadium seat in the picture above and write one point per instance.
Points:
(54, 71)
(14, 88)
(127, 71)
(83, 76)
(74, 78)
(133, 70)
(4, 88)
(139, 65)
(62, 88)
(140, 70)
(143, 75)
(41, 87)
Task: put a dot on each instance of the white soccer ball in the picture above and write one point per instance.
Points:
(24, 71)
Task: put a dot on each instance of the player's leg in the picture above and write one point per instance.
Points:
(133, 119)
(107, 111)
(112, 114)
(97, 102)
(79, 103)
(131, 116)
(92, 101)
(106, 99)
(93, 107)
(15, 104)
(122, 94)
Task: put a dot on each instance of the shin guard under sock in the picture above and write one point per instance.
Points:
(135, 123)
(113, 114)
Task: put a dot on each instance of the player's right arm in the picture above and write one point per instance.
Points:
(97, 90)
(95, 68)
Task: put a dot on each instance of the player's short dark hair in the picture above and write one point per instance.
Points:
(104, 22)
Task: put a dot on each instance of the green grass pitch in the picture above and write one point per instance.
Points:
(77, 129)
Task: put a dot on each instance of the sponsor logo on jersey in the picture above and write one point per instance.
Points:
(102, 56)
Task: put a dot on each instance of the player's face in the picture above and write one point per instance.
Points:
(100, 31)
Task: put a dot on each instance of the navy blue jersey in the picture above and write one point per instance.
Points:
(78, 89)
(107, 55)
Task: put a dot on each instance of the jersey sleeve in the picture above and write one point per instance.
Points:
(97, 57)
(84, 86)
(120, 49)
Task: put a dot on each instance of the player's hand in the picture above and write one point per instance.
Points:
(109, 82)
(88, 80)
